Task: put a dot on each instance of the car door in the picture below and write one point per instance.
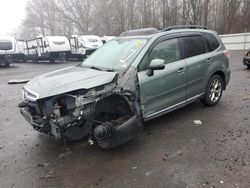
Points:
(197, 63)
(166, 88)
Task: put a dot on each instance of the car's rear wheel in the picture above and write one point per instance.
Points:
(248, 66)
(214, 91)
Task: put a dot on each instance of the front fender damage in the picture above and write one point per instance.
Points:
(108, 115)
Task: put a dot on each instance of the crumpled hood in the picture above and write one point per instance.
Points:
(68, 79)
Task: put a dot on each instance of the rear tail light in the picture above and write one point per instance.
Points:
(227, 53)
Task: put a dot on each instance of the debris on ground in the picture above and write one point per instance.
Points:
(197, 122)
(48, 176)
(148, 173)
(82, 145)
(42, 165)
(246, 97)
(134, 167)
(23, 81)
(67, 152)
(221, 182)
(99, 180)
(164, 158)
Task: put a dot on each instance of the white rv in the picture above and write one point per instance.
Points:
(47, 48)
(8, 50)
(84, 45)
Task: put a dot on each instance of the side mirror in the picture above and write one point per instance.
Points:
(155, 64)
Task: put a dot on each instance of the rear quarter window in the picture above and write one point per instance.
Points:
(211, 42)
(193, 46)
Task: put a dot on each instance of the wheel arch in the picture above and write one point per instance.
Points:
(223, 77)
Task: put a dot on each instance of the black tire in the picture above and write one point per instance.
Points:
(7, 64)
(34, 61)
(214, 91)
(248, 66)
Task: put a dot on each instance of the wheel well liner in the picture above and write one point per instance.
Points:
(113, 103)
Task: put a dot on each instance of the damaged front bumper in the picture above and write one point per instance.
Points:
(40, 124)
(108, 121)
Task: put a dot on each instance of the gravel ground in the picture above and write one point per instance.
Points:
(171, 151)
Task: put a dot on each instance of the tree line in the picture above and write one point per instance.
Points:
(112, 17)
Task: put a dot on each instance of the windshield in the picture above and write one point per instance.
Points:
(5, 45)
(116, 54)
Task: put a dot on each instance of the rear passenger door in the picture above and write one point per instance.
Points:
(197, 62)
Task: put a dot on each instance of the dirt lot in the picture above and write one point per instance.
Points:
(171, 151)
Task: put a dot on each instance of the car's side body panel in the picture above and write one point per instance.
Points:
(166, 88)
(159, 96)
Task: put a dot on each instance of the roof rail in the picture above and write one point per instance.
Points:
(138, 32)
(184, 27)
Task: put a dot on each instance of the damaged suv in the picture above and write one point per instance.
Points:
(136, 77)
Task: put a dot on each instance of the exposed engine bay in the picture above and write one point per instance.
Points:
(108, 115)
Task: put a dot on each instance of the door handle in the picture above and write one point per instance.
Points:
(181, 70)
(209, 60)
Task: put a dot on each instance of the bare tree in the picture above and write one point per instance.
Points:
(111, 17)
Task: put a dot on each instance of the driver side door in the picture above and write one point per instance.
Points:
(166, 89)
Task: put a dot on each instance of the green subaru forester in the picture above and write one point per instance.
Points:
(136, 77)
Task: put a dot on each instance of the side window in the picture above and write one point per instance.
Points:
(193, 46)
(167, 50)
(211, 42)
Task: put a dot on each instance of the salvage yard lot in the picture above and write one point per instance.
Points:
(172, 151)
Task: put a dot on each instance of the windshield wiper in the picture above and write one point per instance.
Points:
(110, 70)
(92, 67)
(96, 68)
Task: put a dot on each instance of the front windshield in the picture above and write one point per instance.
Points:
(116, 54)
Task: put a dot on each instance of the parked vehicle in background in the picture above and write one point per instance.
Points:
(84, 45)
(106, 39)
(21, 51)
(246, 59)
(136, 77)
(50, 48)
(8, 50)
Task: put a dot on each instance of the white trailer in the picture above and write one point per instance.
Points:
(8, 50)
(84, 45)
(47, 48)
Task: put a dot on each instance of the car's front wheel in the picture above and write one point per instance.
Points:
(214, 91)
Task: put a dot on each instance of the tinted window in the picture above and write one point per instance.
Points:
(211, 42)
(167, 50)
(5, 45)
(193, 46)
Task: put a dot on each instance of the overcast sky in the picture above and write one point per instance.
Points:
(12, 12)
